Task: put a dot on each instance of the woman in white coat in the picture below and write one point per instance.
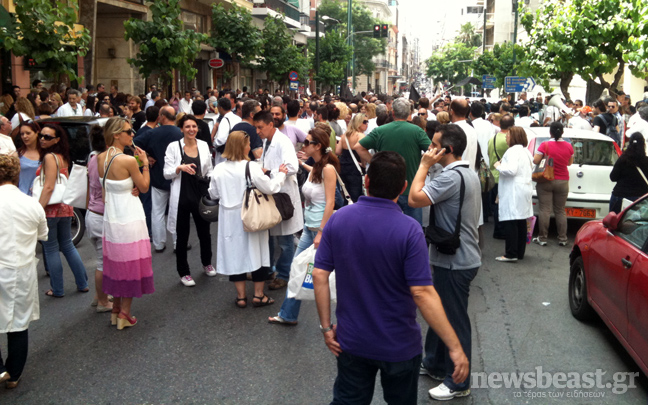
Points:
(188, 164)
(515, 191)
(18, 280)
(239, 252)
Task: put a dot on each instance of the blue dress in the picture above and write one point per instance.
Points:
(28, 169)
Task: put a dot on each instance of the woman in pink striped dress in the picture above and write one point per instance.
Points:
(128, 270)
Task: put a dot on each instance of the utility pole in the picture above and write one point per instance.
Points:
(350, 31)
(317, 39)
(515, 26)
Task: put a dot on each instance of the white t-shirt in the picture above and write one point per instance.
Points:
(579, 123)
(7, 146)
(15, 121)
(66, 110)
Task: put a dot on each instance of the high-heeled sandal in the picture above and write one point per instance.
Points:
(113, 315)
(126, 322)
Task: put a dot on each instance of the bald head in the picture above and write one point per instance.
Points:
(167, 115)
(459, 109)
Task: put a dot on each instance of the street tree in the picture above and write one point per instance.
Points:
(450, 63)
(279, 56)
(164, 44)
(234, 32)
(469, 36)
(590, 38)
(45, 31)
(365, 46)
(499, 63)
(335, 53)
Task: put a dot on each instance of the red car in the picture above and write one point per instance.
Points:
(609, 276)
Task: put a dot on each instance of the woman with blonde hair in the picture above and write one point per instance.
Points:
(351, 170)
(55, 102)
(239, 252)
(128, 269)
(443, 118)
(344, 113)
(6, 101)
(24, 112)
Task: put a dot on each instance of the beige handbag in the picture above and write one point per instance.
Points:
(259, 211)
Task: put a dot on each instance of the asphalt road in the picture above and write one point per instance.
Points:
(193, 346)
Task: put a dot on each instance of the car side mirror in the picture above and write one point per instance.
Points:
(611, 221)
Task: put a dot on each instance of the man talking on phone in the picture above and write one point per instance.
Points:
(452, 273)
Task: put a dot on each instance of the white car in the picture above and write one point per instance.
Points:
(589, 176)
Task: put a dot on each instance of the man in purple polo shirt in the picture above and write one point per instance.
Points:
(378, 292)
(292, 132)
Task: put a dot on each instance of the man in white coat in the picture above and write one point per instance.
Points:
(72, 107)
(277, 150)
(459, 110)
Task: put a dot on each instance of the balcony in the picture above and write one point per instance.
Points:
(262, 8)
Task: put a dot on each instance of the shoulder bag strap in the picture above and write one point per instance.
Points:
(462, 193)
(103, 183)
(181, 152)
(347, 196)
(495, 147)
(346, 138)
(642, 174)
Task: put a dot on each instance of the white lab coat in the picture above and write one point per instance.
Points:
(238, 251)
(22, 222)
(470, 154)
(485, 131)
(515, 186)
(281, 150)
(173, 159)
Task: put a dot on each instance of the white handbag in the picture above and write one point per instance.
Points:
(76, 192)
(59, 186)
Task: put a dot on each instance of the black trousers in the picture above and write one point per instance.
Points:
(17, 345)
(354, 384)
(185, 210)
(498, 231)
(352, 181)
(516, 235)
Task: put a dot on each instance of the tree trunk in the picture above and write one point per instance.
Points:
(613, 88)
(565, 80)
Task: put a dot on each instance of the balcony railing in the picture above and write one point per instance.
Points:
(280, 6)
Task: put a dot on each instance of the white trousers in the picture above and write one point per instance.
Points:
(159, 202)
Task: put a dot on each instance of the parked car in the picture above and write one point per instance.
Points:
(609, 276)
(590, 186)
(78, 129)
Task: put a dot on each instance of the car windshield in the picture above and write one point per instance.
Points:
(594, 152)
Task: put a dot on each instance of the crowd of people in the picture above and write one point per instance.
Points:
(155, 160)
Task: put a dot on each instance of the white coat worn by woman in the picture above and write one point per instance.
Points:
(173, 159)
(238, 251)
(515, 191)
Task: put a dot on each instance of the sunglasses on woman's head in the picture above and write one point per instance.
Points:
(307, 142)
(47, 137)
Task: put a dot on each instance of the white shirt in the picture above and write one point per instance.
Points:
(301, 123)
(185, 106)
(66, 110)
(149, 103)
(515, 187)
(485, 131)
(15, 120)
(524, 122)
(7, 146)
(225, 127)
(578, 122)
(431, 116)
(470, 154)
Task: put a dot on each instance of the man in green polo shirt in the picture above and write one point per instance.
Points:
(402, 137)
(496, 147)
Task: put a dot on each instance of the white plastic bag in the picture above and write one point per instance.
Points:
(300, 285)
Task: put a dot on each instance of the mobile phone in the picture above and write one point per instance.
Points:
(447, 150)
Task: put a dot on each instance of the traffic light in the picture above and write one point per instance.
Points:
(384, 31)
(376, 31)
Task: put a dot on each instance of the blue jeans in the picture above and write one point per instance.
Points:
(616, 202)
(356, 378)
(285, 257)
(416, 213)
(453, 287)
(60, 238)
(290, 307)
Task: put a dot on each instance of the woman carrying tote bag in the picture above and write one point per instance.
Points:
(239, 252)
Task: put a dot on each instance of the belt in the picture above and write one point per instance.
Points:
(95, 212)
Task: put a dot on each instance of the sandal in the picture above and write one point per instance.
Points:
(50, 293)
(279, 320)
(261, 302)
(243, 305)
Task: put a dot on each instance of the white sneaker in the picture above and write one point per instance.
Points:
(443, 393)
(539, 242)
(210, 270)
(188, 281)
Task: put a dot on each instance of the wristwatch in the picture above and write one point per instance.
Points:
(324, 330)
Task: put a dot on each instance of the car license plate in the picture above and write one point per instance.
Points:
(581, 212)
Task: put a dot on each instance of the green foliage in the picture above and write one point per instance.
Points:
(164, 44)
(234, 33)
(366, 47)
(590, 38)
(468, 36)
(499, 63)
(334, 56)
(445, 65)
(278, 54)
(44, 30)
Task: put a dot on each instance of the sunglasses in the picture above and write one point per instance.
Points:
(307, 142)
(612, 106)
(129, 131)
(47, 137)
(365, 121)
